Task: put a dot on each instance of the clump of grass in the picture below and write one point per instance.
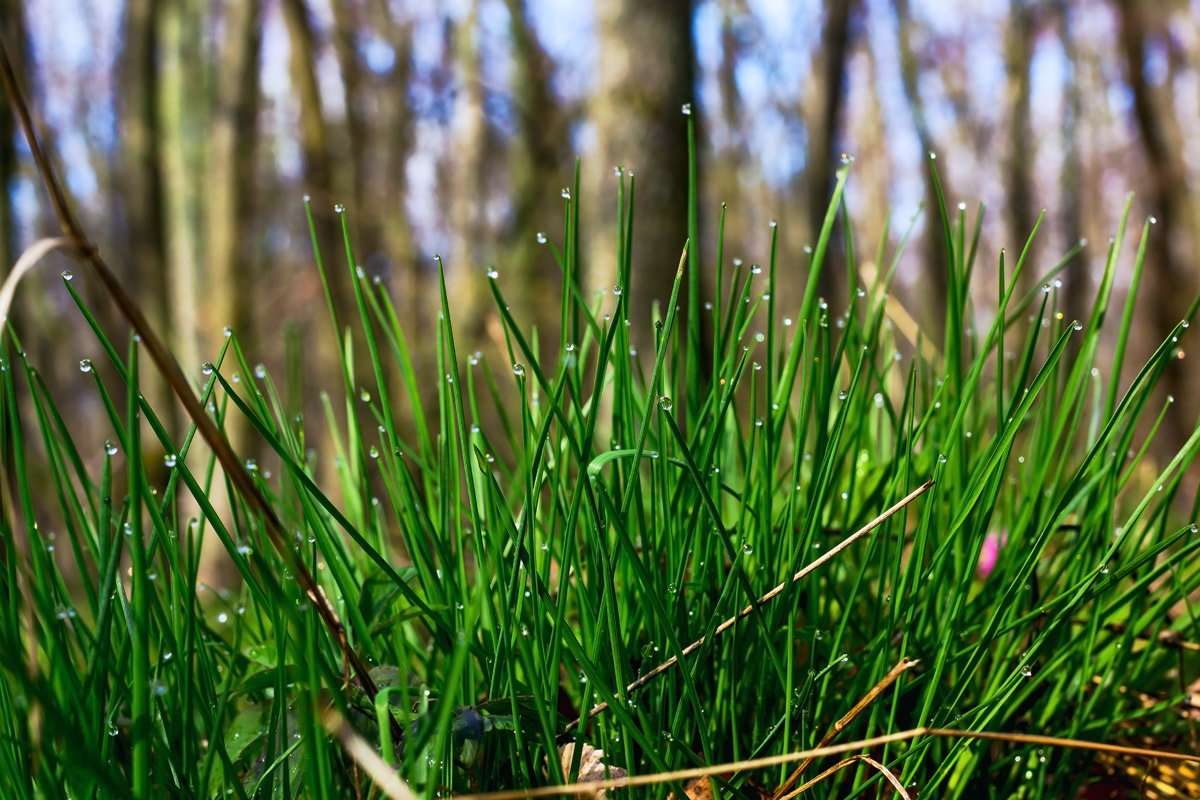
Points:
(467, 612)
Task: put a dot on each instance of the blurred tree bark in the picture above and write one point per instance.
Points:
(469, 241)
(1171, 285)
(1076, 277)
(647, 53)
(536, 162)
(230, 188)
(387, 186)
(142, 187)
(934, 277)
(1018, 162)
(183, 114)
(822, 123)
(872, 166)
(16, 43)
(323, 367)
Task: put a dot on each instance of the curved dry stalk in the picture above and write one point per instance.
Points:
(820, 752)
(841, 765)
(902, 666)
(28, 260)
(750, 609)
(76, 240)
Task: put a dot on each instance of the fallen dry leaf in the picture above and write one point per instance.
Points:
(591, 765)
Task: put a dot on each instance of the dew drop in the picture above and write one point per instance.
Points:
(206, 368)
(169, 459)
(85, 365)
(518, 370)
(566, 194)
(67, 275)
(110, 447)
(364, 395)
(666, 403)
(338, 208)
(617, 290)
(492, 273)
(686, 108)
(541, 237)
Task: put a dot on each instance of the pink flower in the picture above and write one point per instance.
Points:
(992, 544)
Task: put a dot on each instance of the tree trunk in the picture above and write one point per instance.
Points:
(823, 155)
(648, 75)
(1171, 286)
(934, 281)
(230, 188)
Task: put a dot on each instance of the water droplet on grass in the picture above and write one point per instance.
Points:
(206, 368)
(110, 447)
(85, 365)
(170, 459)
(566, 194)
(518, 370)
(541, 237)
(686, 109)
(666, 403)
(67, 275)
(493, 273)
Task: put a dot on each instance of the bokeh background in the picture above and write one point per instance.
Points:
(189, 133)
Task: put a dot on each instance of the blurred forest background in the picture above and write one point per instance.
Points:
(189, 132)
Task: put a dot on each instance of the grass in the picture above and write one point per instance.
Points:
(470, 591)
